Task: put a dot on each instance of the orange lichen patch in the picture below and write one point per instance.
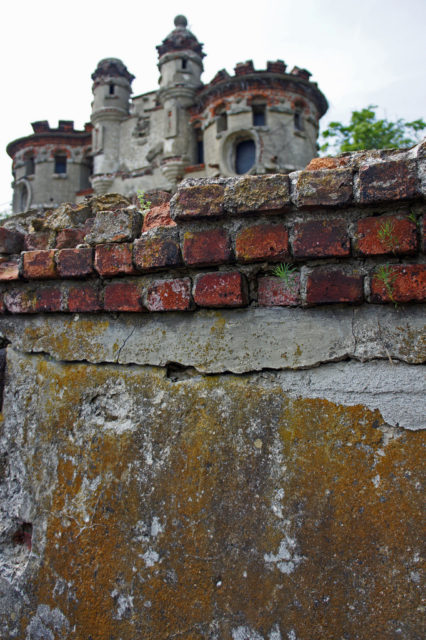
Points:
(183, 509)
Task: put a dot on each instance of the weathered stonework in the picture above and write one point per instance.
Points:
(254, 122)
(194, 447)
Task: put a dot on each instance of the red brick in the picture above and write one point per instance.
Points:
(9, 270)
(326, 286)
(386, 234)
(169, 295)
(395, 180)
(157, 250)
(39, 265)
(321, 238)
(327, 188)
(11, 241)
(2, 305)
(84, 298)
(47, 299)
(220, 290)
(158, 216)
(74, 263)
(206, 247)
(262, 242)
(275, 292)
(20, 300)
(123, 296)
(114, 260)
(39, 240)
(70, 238)
(406, 283)
(204, 200)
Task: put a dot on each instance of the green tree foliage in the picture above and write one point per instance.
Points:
(366, 131)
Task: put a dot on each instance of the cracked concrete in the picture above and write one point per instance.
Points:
(238, 341)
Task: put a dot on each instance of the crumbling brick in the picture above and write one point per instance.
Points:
(275, 292)
(11, 241)
(332, 285)
(257, 193)
(321, 238)
(39, 265)
(386, 234)
(262, 242)
(38, 240)
(157, 250)
(395, 180)
(201, 201)
(123, 296)
(220, 290)
(70, 238)
(84, 298)
(75, 263)
(399, 283)
(169, 295)
(323, 188)
(114, 260)
(9, 269)
(208, 247)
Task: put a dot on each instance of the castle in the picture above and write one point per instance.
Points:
(253, 122)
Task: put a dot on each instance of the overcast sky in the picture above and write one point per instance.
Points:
(360, 52)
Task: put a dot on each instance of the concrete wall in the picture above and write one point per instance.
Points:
(192, 446)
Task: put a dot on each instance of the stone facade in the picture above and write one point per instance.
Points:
(253, 122)
(196, 445)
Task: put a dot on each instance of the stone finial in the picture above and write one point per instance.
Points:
(180, 21)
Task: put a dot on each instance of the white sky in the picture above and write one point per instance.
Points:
(360, 52)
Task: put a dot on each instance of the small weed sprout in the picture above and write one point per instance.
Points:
(287, 273)
(412, 217)
(387, 277)
(144, 204)
(387, 236)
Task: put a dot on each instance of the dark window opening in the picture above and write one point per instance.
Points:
(184, 63)
(60, 164)
(200, 147)
(259, 115)
(221, 122)
(245, 156)
(29, 166)
(111, 89)
(298, 121)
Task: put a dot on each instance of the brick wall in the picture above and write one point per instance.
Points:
(347, 230)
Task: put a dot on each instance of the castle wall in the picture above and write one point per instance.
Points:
(192, 446)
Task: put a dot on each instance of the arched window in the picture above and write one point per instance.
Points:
(245, 156)
(298, 121)
(60, 163)
(111, 89)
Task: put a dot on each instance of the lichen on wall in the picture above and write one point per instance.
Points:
(204, 507)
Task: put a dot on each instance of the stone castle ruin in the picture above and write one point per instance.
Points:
(253, 122)
(194, 444)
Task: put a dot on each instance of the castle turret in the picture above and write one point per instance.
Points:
(50, 166)
(112, 87)
(181, 65)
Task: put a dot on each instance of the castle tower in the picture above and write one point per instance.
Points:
(50, 166)
(112, 87)
(181, 65)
